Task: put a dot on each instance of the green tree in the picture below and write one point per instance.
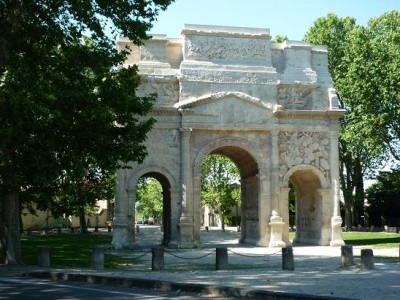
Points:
(219, 185)
(279, 38)
(360, 60)
(67, 107)
(149, 198)
(384, 199)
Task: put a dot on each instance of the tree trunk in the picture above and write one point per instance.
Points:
(359, 194)
(222, 223)
(82, 220)
(10, 244)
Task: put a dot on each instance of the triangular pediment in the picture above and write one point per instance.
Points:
(221, 96)
(229, 109)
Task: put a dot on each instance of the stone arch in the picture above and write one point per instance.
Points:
(309, 184)
(168, 183)
(131, 182)
(240, 151)
(233, 142)
(308, 168)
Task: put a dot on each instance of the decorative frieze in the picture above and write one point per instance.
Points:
(222, 48)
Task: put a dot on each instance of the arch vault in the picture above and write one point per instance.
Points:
(269, 107)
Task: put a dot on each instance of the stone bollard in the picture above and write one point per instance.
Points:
(98, 258)
(287, 258)
(157, 259)
(347, 256)
(44, 257)
(367, 259)
(221, 259)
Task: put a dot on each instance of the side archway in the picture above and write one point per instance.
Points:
(310, 187)
(167, 181)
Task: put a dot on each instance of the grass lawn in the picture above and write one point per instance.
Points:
(375, 240)
(75, 250)
(68, 250)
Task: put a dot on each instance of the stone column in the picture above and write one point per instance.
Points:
(326, 208)
(186, 219)
(276, 221)
(175, 217)
(131, 214)
(196, 192)
(336, 221)
(120, 222)
(264, 209)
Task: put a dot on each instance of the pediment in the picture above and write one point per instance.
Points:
(221, 96)
(229, 109)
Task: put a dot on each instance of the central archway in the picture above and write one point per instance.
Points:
(239, 151)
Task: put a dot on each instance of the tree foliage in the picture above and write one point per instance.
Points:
(149, 198)
(362, 62)
(68, 109)
(384, 199)
(220, 188)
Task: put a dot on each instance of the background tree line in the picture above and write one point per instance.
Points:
(364, 62)
(69, 112)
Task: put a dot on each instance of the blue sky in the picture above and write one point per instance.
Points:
(284, 17)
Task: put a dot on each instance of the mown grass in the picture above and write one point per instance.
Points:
(69, 250)
(375, 240)
(75, 250)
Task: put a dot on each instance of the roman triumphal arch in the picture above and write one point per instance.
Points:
(269, 107)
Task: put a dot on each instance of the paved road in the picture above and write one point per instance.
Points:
(21, 289)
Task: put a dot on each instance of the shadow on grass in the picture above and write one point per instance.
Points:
(375, 241)
(69, 250)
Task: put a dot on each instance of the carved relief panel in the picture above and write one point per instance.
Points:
(304, 147)
(166, 88)
(296, 97)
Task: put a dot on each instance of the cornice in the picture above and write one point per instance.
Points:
(309, 114)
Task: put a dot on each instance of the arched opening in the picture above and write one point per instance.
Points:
(244, 215)
(153, 207)
(308, 206)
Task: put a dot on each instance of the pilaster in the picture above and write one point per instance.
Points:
(336, 220)
(186, 223)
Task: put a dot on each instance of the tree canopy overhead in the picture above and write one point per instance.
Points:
(364, 63)
(68, 110)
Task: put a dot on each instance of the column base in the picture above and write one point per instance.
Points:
(276, 224)
(186, 234)
(120, 237)
(336, 225)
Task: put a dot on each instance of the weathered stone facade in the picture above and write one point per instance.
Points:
(269, 107)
